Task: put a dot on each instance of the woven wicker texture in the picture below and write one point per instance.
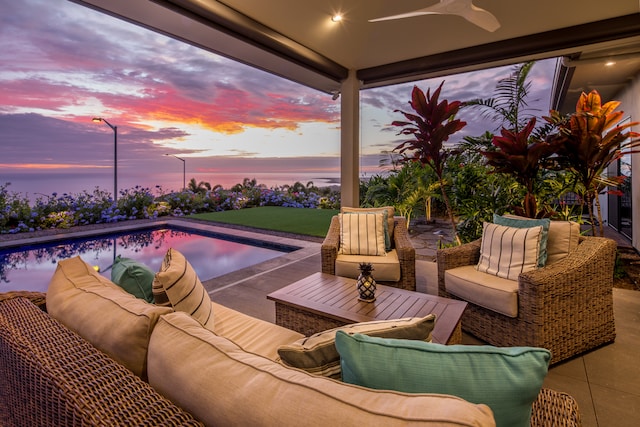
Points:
(49, 376)
(566, 307)
(555, 409)
(401, 243)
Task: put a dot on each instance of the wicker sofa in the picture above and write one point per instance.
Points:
(566, 307)
(51, 372)
(404, 254)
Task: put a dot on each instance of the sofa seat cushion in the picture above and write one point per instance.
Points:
(103, 313)
(220, 384)
(385, 268)
(251, 334)
(486, 290)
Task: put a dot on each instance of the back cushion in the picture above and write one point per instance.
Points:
(217, 382)
(317, 354)
(389, 226)
(177, 285)
(362, 234)
(134, 277)
(564, 237)
(507, 251)
(508, 379)
(104, 314)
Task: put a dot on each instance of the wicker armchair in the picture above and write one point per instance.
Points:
(566, 307)
(401, 243)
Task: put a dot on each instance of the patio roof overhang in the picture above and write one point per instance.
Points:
(297, 40)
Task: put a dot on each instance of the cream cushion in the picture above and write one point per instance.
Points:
(362, 234)
(385, 268)
(564, 237)
(251, 334)
(113, 320)
(318, 355)
(178, 284)
(220, 384)
(508, 251)
(390, 210)
(486, 290)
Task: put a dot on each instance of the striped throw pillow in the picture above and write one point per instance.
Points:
(508, 251)
(177, 285)
(362, 234)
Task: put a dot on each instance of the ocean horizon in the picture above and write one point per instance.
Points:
(39, 184)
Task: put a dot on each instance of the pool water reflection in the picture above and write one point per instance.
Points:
(31, 268)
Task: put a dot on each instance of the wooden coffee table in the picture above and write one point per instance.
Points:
(323, 301)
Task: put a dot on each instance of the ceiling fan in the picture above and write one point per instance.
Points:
(465, 8)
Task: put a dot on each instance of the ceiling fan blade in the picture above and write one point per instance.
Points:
(482, 18)
(419, 12)
(463, 8)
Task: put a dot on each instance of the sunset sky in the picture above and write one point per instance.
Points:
(62, 64)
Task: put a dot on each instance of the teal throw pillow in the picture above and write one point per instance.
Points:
(508, 380)
(527, 223)
(134, 277)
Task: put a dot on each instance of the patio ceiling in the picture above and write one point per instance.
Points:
(297, 39)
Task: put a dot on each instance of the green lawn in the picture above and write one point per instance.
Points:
(309, 222)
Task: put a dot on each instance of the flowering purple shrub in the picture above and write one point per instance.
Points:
(53, 211)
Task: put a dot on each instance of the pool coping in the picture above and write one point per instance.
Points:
(307, 247)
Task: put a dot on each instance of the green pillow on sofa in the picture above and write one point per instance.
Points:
(133, 277)
(508, 380)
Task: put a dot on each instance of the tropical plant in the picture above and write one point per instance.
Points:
(508, 107)
(522, 157)
(587, 145)
(430, 128)
(198, 187)
(477, 194)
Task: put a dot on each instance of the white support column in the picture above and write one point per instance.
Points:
(350, 141)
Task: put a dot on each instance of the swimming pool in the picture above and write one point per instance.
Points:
(211, 254)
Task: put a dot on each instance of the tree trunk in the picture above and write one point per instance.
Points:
(445, 197)
(589, 197)
(600, 226)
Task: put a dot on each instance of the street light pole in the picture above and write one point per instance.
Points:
(184, 170)
(115, 154)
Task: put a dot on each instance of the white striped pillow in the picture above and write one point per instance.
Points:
(362, 234)
(508, 251)
(178, 285)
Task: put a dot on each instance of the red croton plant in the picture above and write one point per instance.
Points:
(519, 155)
(433, 124)
(587, 144)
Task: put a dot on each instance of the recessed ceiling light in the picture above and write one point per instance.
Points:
(336, 18)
